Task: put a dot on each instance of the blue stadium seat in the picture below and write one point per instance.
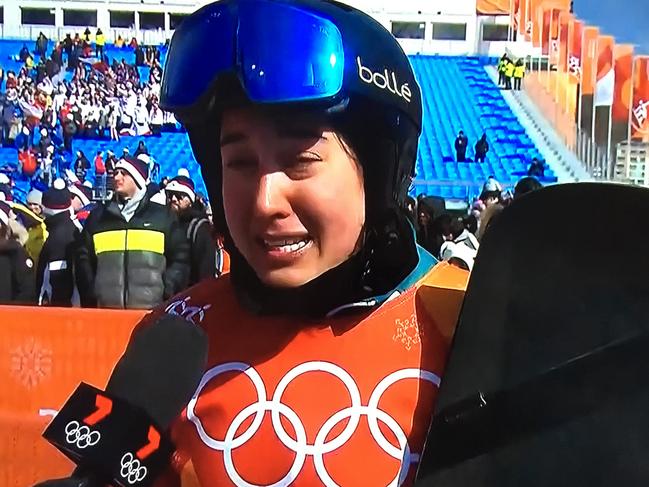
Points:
(457, 95)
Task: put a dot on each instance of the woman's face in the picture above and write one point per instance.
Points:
(293, 195)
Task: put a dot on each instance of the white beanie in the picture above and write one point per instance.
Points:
(35, 196)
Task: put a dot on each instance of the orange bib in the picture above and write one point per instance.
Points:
(344, 401)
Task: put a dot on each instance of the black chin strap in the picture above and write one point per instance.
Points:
(387, 256)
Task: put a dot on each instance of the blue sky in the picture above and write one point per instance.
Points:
(627, 20)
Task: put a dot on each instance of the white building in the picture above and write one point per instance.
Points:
(422, 26)
(632, 163)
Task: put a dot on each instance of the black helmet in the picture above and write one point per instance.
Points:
(372, 85)
(311, 55)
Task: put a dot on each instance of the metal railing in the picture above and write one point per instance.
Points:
(471, 189)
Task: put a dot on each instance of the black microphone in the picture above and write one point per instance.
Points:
(120, 436)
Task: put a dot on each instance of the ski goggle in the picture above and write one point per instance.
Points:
(279, 52)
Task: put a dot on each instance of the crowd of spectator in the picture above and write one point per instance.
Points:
(68, 245)
(132, 251)
(456, 238)
(41, 111)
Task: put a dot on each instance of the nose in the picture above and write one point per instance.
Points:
(272, 196)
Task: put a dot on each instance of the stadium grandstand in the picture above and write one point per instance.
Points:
(512, 91)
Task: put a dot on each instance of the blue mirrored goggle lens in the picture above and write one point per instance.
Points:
(288, 54)
(201, 49)
(280, 53)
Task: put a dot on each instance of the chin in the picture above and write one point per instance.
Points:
(286, 278)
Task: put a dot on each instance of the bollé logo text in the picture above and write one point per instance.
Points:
(385, 81)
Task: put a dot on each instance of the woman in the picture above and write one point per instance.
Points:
(16, 268)
(332, 319)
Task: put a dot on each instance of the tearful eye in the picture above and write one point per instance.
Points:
(239, 164)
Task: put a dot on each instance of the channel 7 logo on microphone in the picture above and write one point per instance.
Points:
(111, 437)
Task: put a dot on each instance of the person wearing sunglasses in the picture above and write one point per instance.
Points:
(328, 337)
(181, 199)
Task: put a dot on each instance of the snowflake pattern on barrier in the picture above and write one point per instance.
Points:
(408, 332)
(31, 363)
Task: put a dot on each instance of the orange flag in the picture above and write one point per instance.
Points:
(640, 106)
(588, 53)
(623, 54)
(564, 23)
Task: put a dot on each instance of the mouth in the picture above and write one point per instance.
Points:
(286, 245)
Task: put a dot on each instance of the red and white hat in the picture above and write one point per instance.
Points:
(82, 192)
(56, 199)
(182, 184)
(136, 168)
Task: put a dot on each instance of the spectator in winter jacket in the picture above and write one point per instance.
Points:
(44, 142)
(35, 201)
(100, 168)
(181, 198)
(481, 148)
(132, 252)
(42, 43)
(54, 276)
(69, 130)
(536, 169)
(81, 166)
(110, 163)
(16, 268)
(461, 143)
(141, 149)
(33, 222)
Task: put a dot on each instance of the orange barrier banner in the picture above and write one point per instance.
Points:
(640, 108)
(45, 353)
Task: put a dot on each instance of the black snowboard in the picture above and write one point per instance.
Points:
(548, 378)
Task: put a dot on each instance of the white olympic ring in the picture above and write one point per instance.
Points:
(300, 445)
(81, 435)
(131, 469)
(261, 407)
(354, 395)
(209, 375)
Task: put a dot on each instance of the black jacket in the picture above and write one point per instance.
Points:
(198, 231)
(481, 147)
(135, 264)
(54, 277)
(16, 274)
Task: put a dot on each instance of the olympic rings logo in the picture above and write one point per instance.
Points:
(80, 435)
(300, 445)
(131, 469)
